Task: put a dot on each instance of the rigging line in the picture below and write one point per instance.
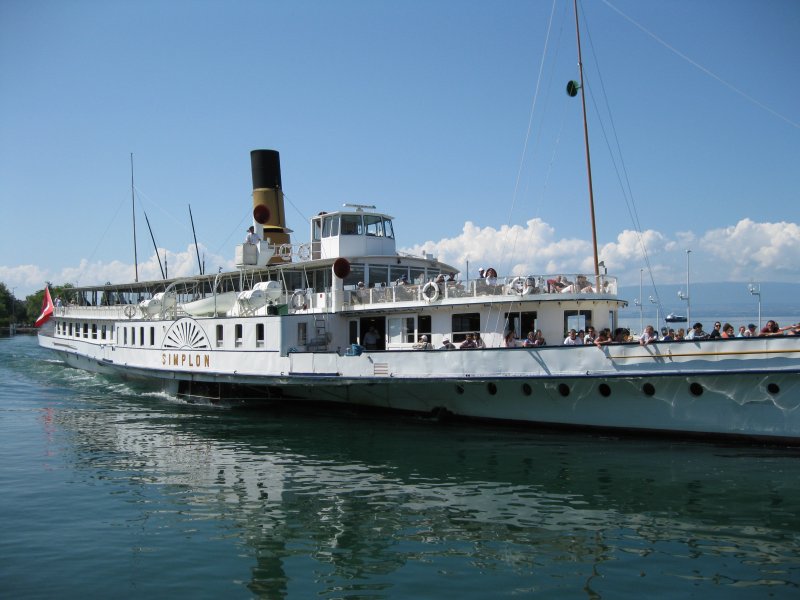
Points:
(99, 241)
(530, 127)
(700, 67)
(626, 187)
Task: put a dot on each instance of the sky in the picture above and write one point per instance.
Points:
(449, 115)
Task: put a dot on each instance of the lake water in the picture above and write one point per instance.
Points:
(109, 491)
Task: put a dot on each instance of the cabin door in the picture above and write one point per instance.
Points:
(371, 327)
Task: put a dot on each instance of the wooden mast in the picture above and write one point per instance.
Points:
(588, 159)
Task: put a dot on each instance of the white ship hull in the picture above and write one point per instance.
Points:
(743, 388)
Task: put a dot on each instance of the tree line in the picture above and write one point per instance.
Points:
(25, 312)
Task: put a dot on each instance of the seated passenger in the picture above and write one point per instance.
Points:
(446, 345)
(648, 336)
(530, 341)
(478, 340)
(603, 338)
(468, 343)
(423, 344)
(510, 339)
(727, 331)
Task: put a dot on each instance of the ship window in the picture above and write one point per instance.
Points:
(141, 336)
(238, 335)
(133, 336)
(387, 228)
(463, 324)
(373, 225)
(316, 230)
(259, 335)
(424, 325)
(377, 274)
(152, 336)
(335, 226)
(302, 333)
(577, 320)
(521, 322)
(417, 275)
(353, 332)
(94, 331)
(352, 225)
(401, 330)
(219, 336)
(86, 330)
(124, 336)
(326, 227)
(103, 332)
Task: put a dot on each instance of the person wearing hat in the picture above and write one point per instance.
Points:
(423, 343)
(446, 345)
(252, 236)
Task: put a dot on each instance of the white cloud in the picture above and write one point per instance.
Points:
(741, 252)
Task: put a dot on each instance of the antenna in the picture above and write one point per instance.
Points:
(191, 218)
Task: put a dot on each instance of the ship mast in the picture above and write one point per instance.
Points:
(572, 91)
(133, 211)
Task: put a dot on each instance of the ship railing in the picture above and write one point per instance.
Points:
(575, 285)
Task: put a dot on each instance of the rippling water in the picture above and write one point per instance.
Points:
(113, 491)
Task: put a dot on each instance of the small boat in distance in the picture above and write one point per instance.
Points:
(673, 318)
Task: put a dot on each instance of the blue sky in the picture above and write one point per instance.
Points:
(421, 108)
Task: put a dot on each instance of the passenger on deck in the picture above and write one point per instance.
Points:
(603, 338)
(649, 336)
(716, 332)
(491, 276)
(751, 330)
(770, 329)
(423, 344)
(446, 345)
(697, 333)
(727, 331)
(468, 343)
(680, 335)
(479, 343)
(510, 339)
(371, 339)
(530, 341)
(572, 339)
(590, 336)
(252, 237)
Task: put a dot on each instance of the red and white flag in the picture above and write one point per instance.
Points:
(47, 309)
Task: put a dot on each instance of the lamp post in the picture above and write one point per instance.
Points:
(658, 312)
(755, 290)
(683, 296)
(639, 302)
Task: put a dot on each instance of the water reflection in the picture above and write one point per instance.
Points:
(348, 505)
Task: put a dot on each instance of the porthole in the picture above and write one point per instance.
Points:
(648, 389)
(604, 389)
(526, 389)
(563, 389)
(492, 388)
(696, 389)
(773, 388)
(459, 389)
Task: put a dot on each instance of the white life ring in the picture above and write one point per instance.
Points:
(304, 251)
(517, 286)
(430, 291)
(298, 300)
(129, 311)
(285, 252)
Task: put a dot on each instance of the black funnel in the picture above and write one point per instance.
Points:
(266, 167)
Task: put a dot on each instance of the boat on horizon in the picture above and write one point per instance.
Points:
(673, 318)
